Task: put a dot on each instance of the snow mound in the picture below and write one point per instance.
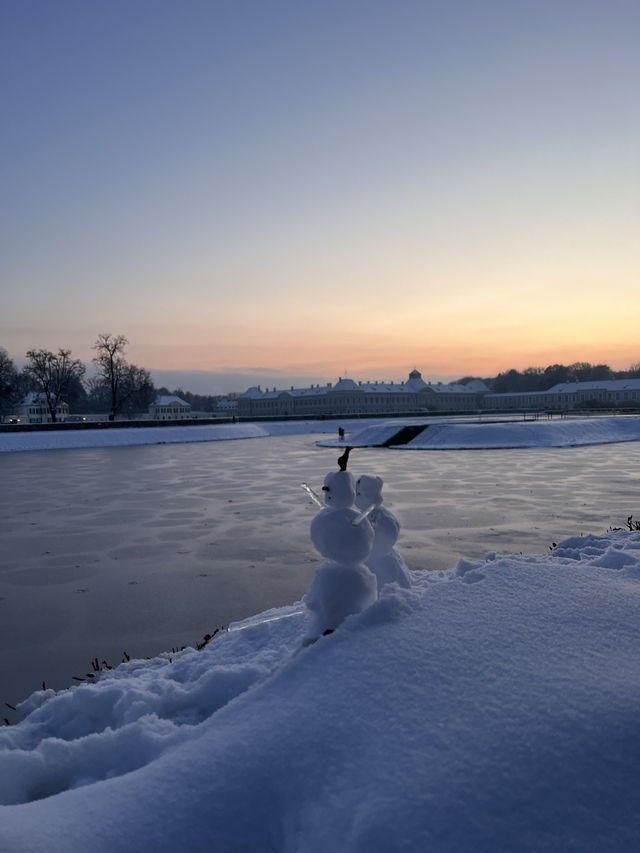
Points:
(376, 432)
(63, 439)
(492, 707)
(550, 433)
(465, 434)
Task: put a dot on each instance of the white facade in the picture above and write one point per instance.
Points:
(169, 408)
(227, 407)
(34, 410)
(608, 393)
(348, 397)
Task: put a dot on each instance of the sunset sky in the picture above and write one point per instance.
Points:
(292, 190)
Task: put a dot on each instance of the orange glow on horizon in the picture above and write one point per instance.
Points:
(388, 361)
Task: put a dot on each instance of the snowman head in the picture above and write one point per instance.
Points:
(339, 489)
(368, 491)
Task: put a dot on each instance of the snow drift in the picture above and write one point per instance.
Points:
(439, 434)
(464, 434)
(63, 439)
(565, 432)
(492, 707)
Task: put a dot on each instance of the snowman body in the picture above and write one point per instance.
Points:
(384, 561)
(342, 585)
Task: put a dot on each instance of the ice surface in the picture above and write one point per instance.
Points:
(147, 548)
(492, 707)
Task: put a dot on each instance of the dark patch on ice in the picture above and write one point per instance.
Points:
(405, 435)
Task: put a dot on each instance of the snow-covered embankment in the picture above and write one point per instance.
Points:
(490, 707)
(461, 434)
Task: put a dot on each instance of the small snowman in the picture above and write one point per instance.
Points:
(342, 585)
(384, 561)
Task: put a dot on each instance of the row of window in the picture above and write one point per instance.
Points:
(399, 402)
(609, 395)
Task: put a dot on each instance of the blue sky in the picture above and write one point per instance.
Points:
(295, 189)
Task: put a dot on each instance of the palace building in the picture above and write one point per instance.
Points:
(363, 398)
(415, 396)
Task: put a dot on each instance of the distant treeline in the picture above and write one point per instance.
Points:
(117, 388)
(122, 389)
(530, 379)
(543, 378)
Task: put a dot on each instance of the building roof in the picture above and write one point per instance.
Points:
(170, 400)
(477, 386)
(37, 398)
(33, 397)
(345, 385)
(602, 385)
(414, 384)
(574, 387)
(254, 392)
(474, 387)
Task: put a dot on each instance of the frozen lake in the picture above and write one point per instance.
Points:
(144, 548)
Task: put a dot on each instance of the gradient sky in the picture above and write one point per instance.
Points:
(295, 189)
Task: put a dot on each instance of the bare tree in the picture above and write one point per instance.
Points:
(127, 388)
(112, 366)
(9, 382)
(51, 374)
(98, 397)
(137, 390)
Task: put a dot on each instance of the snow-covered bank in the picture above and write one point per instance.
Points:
(127, 436)
(461, 435)
(456, 433)
(492, 707)
(563, 432)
